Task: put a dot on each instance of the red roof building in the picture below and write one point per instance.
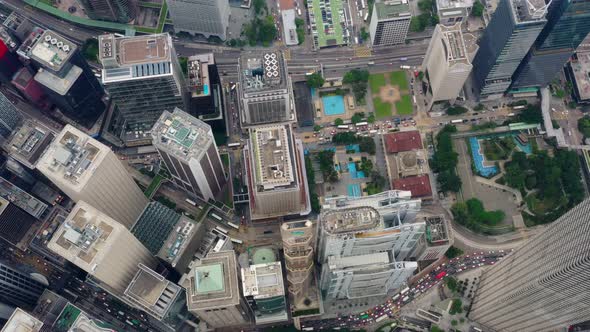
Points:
(418, 185)
(403, 141)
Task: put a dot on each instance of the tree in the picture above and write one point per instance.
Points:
(326, 161)
(300, 29)
(456, 110)
(454, 322)
(90, 49)
(456, 307)
(315, 80)
(356, 118)
(364, 34)
(453, 252)
(367, 144)
(317, 128)
(477, 9)
(531, 114)
(355, 75)
(435, 328)
(371, 118)
(259, 6)
(451, 283)
(425, 6)
(449, 181)
(420, 75)
(584, 126)
(338, 122)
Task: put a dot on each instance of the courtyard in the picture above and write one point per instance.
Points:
(390, 94)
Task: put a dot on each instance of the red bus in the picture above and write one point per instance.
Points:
(441, 275)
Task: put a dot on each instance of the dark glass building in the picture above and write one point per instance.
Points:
(568, 23)
(9, 63)
(514, 27)
(121, 11)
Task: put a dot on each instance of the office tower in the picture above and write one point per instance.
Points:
(143, 78)
(121, 11)
(578, 73)
(265, 90)
(277, 181)
(16, 225)
(568, 23)
(10, 117)
(508, 37)
(264, 290)
(436, 241)
(213, 292)
(298, 248)
(18, 287)
(18, 25)
(24, 81)
(87, 170)
(204, 17)
(72, 318)
(65, 76)
(446, 64)
(102, 247)
(9, 63)
(21, 321)
(350, 226)
(361, 276)
(544, 284)
(390, 22)
(169, 235)
(152, 293)
(451, 12)
(22, 199)
(187, 147)
(29, 142)
(204, 87)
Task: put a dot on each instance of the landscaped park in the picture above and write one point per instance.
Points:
(390, 94)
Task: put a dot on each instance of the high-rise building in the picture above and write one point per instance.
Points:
(204, 87)
(276, 173)
(265, 90)
(204, 17)
(24, 81)
(18, 287)
(390, 22)
(187, 147)
(578, 74)
(65, 76)
(121, 11)
(298, 248)
(143, 78)
(21, 321)
(544, 284)
(213, 291)
(446, 64)
(361, 276)
(568, 23)
(10, 117)
(436, 241)
(87, 170)
(351, 226)
(514, 27)
(452, 11)
(102, 247)
(29, 142)
(265, 297)
(9, 63)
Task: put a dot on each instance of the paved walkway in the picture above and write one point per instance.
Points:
(491, 183)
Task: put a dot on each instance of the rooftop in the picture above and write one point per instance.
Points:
(198, 74)
(581, 70)
(350, 219)
(348, 262)
(453, 4)
(26, 47)
(263, 280)
(262, 72)
(392, 9)
(454, 44)
(418, 185)
(182, 135)
(74, 319)
(8, 40)
(154, 225)
(21, 321)
(22, 199)
(52, 50)
(16, 226)
(402, 141)
(437, 232)
(178, 240)
(213, 241)
(212, 282)
(85, 237)
(60, 85)
(529, 10)
(272, 150)
(73, 156)
(153, 291)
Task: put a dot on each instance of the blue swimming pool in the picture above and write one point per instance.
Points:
(353, 171)
(526, 148)
(354, 190)
(478, 159)
(353, 147)
(333, 105)
(206, 89)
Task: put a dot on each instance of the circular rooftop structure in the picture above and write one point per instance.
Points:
(409, 160)
(263, 256)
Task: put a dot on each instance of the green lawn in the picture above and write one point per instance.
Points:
(540, 207)
(382, 109)
(153, 185)
(376, 81)
(404, 106)
(399, 78)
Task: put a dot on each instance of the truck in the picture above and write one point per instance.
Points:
(405, 67)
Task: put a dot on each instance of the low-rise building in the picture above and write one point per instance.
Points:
(419, 186)
(578, 73)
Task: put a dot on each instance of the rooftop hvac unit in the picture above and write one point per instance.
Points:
(53, 41)
(47, 38)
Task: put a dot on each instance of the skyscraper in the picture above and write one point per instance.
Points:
(187, 148)
(10, 117)
(9, 63)
(204, 87)
(143, 78)
(65, 76)
(17, 287)
(121, 11)
(101, 246)
(544, 284)
(568, 23)
(87, 170)
(508, 37)
(205, 17)
(390, 22)
(298, 247)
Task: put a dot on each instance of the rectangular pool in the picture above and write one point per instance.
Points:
(333, 105)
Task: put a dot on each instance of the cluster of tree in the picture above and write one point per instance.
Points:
(477, 9)
(358, 80)
(427, 18)
(453, 252)
(357, 117)
(90, 49)
(313, 196)
(456, 307)
(445, 160)
(378, 182)
(584, 126)
(366, 144)
(326, 160)
(300, 28)
(473, 215)
(260, 30)
(531, 114)
(315, 80)
(236, 42)
(364, 34)
(456, 110)
(451, 283)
